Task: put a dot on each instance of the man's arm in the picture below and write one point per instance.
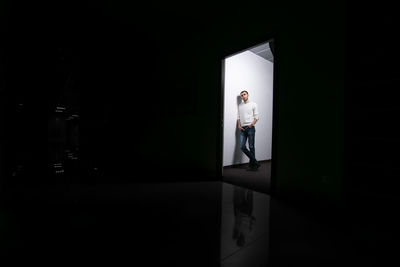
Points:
(255, 112)
(253, 123)
(239, 125)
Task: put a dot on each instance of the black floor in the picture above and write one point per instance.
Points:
(187, 224)
(259, 180)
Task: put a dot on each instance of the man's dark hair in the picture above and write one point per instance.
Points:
(244, 91)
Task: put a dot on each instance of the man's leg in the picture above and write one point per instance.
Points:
(252, 133)
(243, 140)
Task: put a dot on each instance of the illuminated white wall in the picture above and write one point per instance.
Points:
(247, 71)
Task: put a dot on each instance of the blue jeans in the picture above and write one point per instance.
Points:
(250, 134)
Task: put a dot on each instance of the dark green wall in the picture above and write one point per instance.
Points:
(151, 86)
(188, 49)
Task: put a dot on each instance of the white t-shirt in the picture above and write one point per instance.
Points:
(247, 113)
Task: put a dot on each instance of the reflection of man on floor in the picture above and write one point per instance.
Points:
(243, 209)
(247, 118)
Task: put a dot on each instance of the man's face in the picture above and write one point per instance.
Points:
(244, 96)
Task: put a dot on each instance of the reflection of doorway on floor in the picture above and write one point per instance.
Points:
(259, 180)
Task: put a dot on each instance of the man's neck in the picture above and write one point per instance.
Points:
(247, 101)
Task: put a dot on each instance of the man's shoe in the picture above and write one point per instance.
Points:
(250, 166)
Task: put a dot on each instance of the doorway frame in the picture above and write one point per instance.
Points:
(220, 167)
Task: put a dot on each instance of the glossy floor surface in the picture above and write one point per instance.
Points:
(259, 180)
(180, 224)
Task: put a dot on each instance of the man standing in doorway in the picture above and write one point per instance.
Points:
(247, 118)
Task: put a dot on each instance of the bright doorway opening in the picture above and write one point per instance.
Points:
(250, 70)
